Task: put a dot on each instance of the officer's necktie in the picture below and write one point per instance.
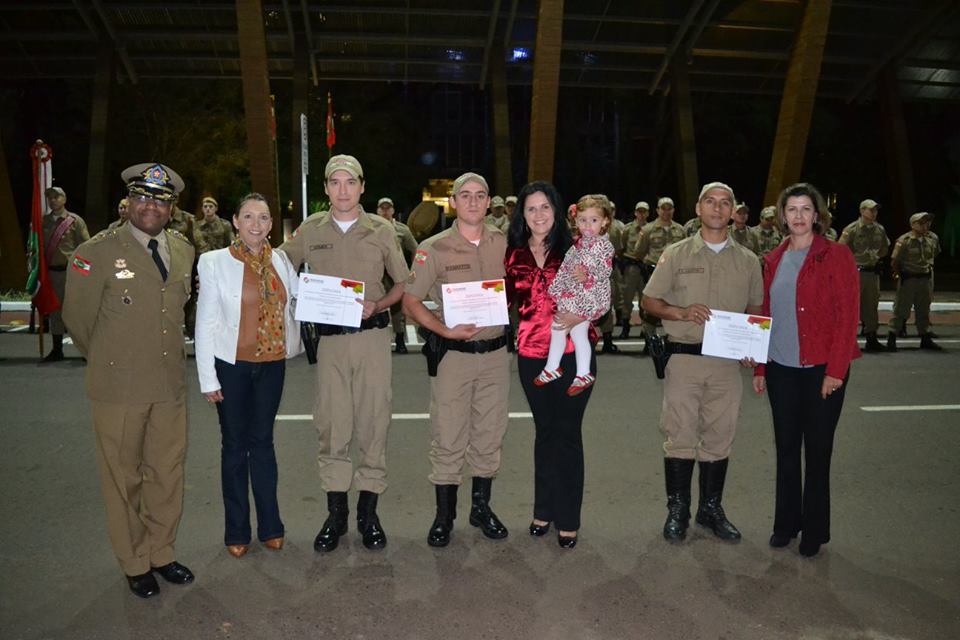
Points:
(153, 244)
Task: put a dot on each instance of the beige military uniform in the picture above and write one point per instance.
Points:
(186, 224)
(115, 224)
(73, 237)
(127, 321)
(654, 238)
(701, 394)
(632, 268)
(869, 243)
(691, 226)
(408, 246)
(830, 234)
(502, 223)
(913, 256)
(354, 394)
(615, 233)
(766, 239)
(744, 237)
(468, 396)
(216, 233)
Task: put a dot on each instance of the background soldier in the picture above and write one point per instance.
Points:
(408, 246)
(186, 225)
(498, 214)
(353, 400)
(127, 288)
(509, 204)
(121, 212)
(631, 265)
(768, 237)
(912, 265)
(691, 226)
(869, 243)
(215, 232)
(739, 230)
(701, 394)
(63, 232)
(654, 238)
(609, 321)
(826, 222)
(468, 395)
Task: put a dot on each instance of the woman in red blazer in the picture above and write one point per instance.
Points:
(811, 290)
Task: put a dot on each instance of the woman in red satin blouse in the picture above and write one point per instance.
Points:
(537, 240)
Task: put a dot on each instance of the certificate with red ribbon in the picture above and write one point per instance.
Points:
(330, 300)
(736, 336)
(482, 303)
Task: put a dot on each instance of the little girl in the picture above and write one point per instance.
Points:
(589, 300)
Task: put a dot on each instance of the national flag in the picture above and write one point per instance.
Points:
(331, 131)
(38, 279)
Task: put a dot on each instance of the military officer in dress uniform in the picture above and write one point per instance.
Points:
(408, 246)
(498, 214)
(354, 396)
(216, 232)
(768, 236)
(631, 265)
(869, 242)
(126, 290)
(63, 231)
(656, 236)
(739, 230)
(468, 395)
(701, 394)
(912, 264)
(121, 213)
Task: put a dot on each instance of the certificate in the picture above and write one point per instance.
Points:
(329, 300)
(736, 336)
(482, 303)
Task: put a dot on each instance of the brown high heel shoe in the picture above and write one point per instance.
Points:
(274, 543)
(238, 550)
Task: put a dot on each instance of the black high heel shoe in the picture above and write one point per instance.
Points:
(539, 530)
(566, 542)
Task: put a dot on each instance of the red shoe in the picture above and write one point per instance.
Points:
(581, 384)
(546, 377)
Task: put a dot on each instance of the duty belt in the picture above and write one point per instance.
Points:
(871, 269)
(631, 261)
(378, 321)
(477, 346)
(908, 276)
(688, 349)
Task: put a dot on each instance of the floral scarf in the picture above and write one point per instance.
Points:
(270, 328)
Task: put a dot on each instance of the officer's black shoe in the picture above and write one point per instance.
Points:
(892, 342)
(336, 523)
(368, 523)
(401, 344)
(677, 473)
(710, 512)
(608, 346)
(174, 573)
(625, 330)
(646, 345)
(439, 535)
(56, 354)
(143, 585)
(873, 345)
(481, 515)
(926, 342)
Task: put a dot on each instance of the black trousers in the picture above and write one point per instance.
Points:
(558, 445)
(802, 419)
(251, 397)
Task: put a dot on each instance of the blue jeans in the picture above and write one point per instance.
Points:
(251, 397)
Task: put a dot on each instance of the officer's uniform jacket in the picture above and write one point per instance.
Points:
(868, 241)
(914, 253)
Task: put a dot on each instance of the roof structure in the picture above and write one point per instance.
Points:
(738, 46)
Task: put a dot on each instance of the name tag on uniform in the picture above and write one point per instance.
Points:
(692, 270)
(314, 247)
(458, 267)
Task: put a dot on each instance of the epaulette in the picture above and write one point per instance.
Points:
(179, 236)
(103, 235)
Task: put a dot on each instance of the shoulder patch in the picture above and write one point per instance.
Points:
(81, 265)
(421, 256)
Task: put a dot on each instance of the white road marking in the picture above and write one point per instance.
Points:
(914, 407)
(302, 417)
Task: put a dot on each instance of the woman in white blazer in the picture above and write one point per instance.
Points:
(245, 331)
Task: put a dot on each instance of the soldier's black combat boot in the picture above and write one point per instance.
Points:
(608, 346)
(336, 523)
(439, 535)
(368, 524)
(56, 354)
(926, 342)
(401, 343)
(710, 512)
(481, 515)
(892, 341)
(624, 330)
(873, 345)
(678, 473)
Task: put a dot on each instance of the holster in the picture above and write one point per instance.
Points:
(434, 348)
(311, 339)
(657, 345)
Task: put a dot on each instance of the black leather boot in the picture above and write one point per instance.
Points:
(368, 524)
(401, 343)
(439, 535)
(892, 342)
(710, 512)
(336, 523)
(926, 342)
(56, 354)
(624, 330)
(873, 345)
(481, 515)
(677, 472)
(608, 346)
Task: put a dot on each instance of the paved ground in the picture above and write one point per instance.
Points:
(892, 571)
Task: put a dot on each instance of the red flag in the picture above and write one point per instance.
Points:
(38, 279)
(331, 132)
